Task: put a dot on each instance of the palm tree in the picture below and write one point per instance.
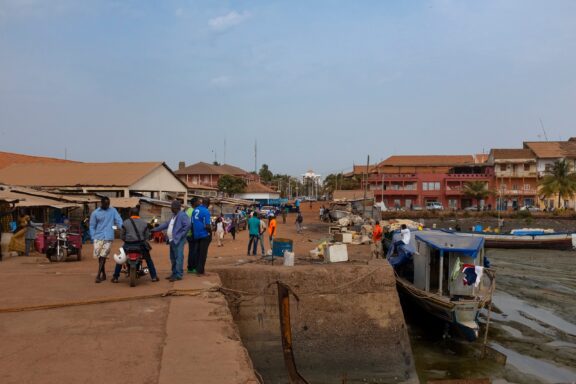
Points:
(559, 181)
(477, 190)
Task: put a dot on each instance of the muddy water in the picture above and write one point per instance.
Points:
(533, 324)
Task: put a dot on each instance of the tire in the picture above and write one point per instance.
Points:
(63, 255)
(79, 255)
(132, 274)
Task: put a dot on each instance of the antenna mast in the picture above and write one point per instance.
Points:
(543, 130)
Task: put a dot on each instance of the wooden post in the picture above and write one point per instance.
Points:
(441, 272)
(286, 333)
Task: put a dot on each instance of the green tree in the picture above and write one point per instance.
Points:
(559, 181)
(477, 190)
(265, 174)
(231, 184)
(336, 181)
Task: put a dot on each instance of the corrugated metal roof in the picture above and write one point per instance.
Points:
(34, 201)
(77, 174)
(8, 158)
(259, 188)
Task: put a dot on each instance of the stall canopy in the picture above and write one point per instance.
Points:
(28, 201)
(448, 242)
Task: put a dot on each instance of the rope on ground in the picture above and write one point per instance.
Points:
(170, 293)
(235, 296)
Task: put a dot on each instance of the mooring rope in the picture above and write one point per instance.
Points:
(170, 293)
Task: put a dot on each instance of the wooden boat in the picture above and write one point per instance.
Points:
(555, 240)
(434, 281)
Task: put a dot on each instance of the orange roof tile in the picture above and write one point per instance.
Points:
(428, 160)
(552, 149)
(202, 168)
(511, 154)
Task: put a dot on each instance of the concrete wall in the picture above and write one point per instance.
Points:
(357, 332)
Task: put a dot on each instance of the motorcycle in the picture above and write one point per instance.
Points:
(59, 244)
(134, 267)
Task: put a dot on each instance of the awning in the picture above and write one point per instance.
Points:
(449, 242)
(124, 202)
(28, 201)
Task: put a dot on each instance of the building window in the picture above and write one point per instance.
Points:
(514, 187)
(527, 167)
(424, 186)
(548, 167)
(502, 167)
(527, 187)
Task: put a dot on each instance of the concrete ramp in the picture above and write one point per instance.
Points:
(347, 326)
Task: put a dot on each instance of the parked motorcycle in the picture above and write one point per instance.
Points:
(60, 244)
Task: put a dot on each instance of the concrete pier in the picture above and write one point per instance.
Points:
(348, 323)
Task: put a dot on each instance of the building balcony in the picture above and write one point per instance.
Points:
(517, 192)
(517, 174)
(396, 192)
(469, 176)
(378, 178)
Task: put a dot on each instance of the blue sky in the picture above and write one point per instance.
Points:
(318, 84)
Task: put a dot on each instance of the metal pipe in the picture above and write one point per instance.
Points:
(441, 272)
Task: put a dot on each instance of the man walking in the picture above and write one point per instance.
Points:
(271, 230)
(135, 233)
(103, 222)
(299, 220)
(202, 228)
(254, 231)
(176, 229)
(261, 232)
(377, 240)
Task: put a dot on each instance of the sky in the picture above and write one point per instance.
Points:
(315, 85)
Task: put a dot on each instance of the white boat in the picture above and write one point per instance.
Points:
(434, 280)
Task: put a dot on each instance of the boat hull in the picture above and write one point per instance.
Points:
(462, 316)
(558, 241)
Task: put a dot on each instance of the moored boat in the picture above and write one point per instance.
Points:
(554, 240)
(447, 278)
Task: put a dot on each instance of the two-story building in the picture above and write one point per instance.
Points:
(204, 174)
(516, 177)
(547, 153)
(412, 181)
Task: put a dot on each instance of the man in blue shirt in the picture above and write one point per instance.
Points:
(254, 231)
(176, 229)
(103, 221)
(202, 228)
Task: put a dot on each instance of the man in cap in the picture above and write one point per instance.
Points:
(176, 229)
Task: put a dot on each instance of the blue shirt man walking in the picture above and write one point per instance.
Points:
(103, 221)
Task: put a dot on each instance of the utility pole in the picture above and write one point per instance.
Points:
(366, 187)
(255, 156)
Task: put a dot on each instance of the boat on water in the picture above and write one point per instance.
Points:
(525, 239)
(446, 277)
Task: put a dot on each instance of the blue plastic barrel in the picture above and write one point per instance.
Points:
(281, 245)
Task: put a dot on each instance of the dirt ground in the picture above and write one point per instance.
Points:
(130, 341)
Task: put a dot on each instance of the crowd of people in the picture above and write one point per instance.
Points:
(194, 227)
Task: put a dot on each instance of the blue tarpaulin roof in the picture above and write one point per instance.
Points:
(449, 242)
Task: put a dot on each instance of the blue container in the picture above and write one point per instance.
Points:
(281, 245)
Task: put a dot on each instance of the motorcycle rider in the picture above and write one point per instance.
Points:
(135, 233)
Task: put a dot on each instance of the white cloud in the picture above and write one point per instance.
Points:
(221, 81)
(229, 20)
